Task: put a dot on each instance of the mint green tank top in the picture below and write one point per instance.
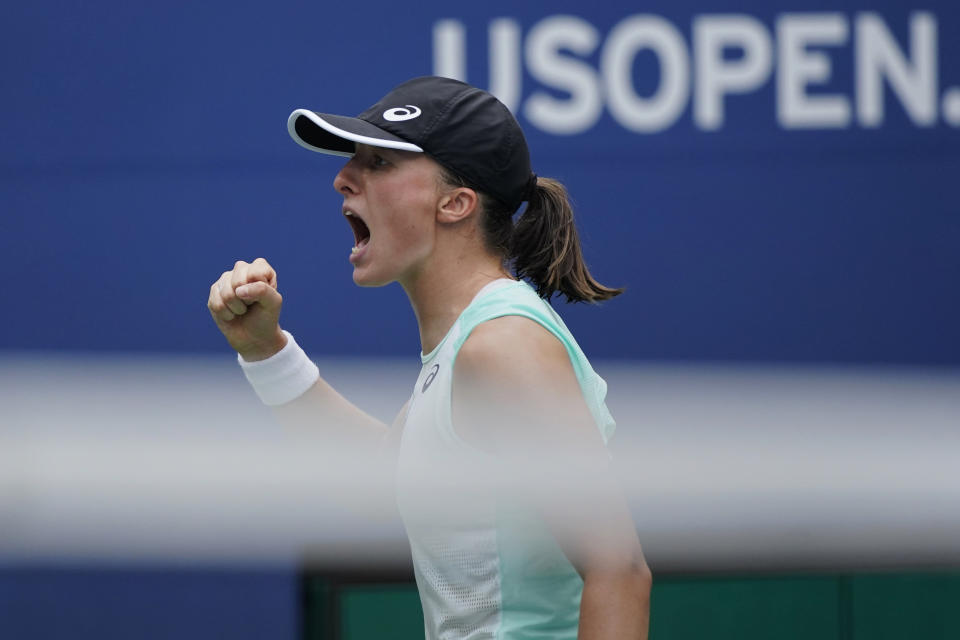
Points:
(486, 568)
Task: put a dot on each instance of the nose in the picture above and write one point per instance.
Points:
(345, 182)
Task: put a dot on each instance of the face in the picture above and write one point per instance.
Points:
(390, 199)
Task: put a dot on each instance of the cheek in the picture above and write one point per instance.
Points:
(413, 236)
(412, 222)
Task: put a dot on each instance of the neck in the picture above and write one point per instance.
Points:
(440, 293)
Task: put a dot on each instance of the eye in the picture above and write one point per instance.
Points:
(377, 161)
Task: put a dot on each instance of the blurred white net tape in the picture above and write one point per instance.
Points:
(724, 468)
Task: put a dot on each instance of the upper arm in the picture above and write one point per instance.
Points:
(514, 386)
(401, 415)
(391, 437)
(515, 393)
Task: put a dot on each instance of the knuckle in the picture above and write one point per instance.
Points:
(239, 264)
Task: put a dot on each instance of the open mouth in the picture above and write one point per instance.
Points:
(361, 233)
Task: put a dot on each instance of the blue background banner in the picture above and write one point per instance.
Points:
(770, 181)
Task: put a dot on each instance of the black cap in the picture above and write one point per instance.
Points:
(465, 129)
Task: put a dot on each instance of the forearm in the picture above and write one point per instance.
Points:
(323, 411)
(291, 383)
(616, 605)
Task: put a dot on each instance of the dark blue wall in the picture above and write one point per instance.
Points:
(144, 149)
(155, 604)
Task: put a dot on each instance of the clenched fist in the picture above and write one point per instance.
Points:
(245, 304)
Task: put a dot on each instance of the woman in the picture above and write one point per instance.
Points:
(437, 169)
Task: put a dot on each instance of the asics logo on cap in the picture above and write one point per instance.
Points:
(399, 114)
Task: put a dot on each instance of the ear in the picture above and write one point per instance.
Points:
(457, 204)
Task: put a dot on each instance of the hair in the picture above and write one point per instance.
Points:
(543, 245)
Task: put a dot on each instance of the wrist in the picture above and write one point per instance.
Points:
(265, 350)
(282, 377)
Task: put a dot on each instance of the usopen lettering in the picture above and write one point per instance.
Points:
(728, 54)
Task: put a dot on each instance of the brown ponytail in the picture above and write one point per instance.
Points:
(543, 246)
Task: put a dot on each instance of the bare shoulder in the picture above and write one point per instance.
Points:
(512, 346)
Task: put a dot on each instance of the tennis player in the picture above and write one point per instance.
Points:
(437, 171)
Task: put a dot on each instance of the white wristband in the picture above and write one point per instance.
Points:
(282, 377)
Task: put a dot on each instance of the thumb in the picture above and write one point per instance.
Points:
(261, 292)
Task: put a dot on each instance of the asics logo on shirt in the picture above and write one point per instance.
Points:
(399, 114)
(430, 377)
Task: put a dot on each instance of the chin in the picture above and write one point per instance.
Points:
(369, 280)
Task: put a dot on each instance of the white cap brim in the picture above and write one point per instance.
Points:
(338, 135)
